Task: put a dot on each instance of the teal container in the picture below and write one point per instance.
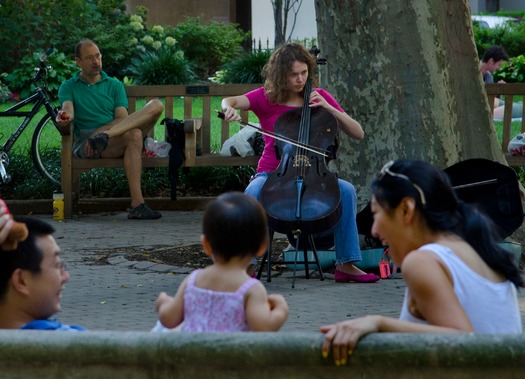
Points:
(370, 259)
(514, 248)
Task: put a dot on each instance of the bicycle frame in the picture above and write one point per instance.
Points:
(40, 99)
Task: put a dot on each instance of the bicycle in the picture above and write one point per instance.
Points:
(46, 161)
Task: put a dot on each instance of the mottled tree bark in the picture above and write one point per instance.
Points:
(408, 71)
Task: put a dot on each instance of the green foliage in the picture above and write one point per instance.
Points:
(215, 180)
(28, 26)
(163, 66)
(510, 37)
(5, 94)
(512, 71)
(209, 46)
(20, 79)
(246, 69)
(26, 182)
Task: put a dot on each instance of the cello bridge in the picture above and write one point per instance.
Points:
(301, 161)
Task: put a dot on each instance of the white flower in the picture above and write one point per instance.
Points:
(157, 29)
(156, 45)
(134, 41)
(135, 18)
(136, 26)
(147, 40)
(170, 41)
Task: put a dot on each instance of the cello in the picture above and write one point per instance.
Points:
(302, 195)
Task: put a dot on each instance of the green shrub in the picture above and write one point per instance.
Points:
(209, 46)
(28, 26)
(246, 69)
(512, 38)
(164, 66)
(19, 80)
(512, 71)
(5, 94)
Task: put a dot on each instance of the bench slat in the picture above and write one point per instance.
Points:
(509, 91)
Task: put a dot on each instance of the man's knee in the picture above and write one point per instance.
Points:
(155, 107)
(134, 136)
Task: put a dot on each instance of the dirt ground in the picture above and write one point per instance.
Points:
(181, 256)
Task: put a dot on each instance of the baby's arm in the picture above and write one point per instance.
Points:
(265, 312)
(171, 309)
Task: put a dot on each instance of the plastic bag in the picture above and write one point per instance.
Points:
(517, 145)
(154, 148)
(239, 144)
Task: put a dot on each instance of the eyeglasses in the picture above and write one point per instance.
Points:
(386, 170)
(92, 58)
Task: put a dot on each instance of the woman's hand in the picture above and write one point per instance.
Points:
(230, 113)
(6, 221)
(316, 100)
(343, 336)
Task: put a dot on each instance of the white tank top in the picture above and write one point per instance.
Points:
(491, 307)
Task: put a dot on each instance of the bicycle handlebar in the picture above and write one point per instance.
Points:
(46, 55)
(43, 66)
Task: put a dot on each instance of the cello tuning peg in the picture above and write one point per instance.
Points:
(314, 50)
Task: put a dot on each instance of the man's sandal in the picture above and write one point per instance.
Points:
(99, 142)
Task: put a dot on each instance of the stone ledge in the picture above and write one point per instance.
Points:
(255, 355)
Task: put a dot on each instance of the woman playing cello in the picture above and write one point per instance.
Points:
(286, 75)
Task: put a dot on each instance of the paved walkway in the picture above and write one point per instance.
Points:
(121, 295)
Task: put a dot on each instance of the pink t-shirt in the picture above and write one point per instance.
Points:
(268, 114)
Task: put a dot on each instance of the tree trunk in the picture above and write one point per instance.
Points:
(408, 71)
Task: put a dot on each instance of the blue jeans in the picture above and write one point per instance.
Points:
(345, 232)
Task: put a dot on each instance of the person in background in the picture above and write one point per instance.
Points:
(492, 59)
(97, 107)
(32, 278)
(458, 278)
(286, 74)
(222, 297)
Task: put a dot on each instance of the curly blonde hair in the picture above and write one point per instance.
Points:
(279, 66)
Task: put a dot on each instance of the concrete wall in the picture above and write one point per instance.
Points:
(130, 355)
(170, 12)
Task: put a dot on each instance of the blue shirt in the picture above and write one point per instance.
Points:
(51, 325)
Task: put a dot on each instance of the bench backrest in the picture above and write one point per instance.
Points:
(189, 93)
(509, 91)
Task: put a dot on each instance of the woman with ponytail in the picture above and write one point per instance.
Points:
(459, 279)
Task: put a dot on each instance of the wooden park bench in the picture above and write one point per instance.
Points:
(509, 91)
(197, 129)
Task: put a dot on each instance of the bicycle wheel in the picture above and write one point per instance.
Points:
(46, 150)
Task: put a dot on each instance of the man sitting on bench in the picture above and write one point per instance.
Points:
(97, 106)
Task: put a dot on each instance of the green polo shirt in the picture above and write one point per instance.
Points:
(94, 104)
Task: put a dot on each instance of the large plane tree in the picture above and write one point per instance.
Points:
(408, 71)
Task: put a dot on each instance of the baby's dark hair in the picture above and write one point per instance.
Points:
(444, 212)
(235, 225)
(27, 254)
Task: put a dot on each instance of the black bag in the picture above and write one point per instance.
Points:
(176, 137)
